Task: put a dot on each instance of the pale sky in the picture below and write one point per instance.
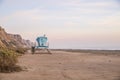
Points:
(71, 24)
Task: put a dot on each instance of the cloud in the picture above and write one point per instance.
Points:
(108, 21)
(80, 15)
(87, 4)
(65, 18)
(86, 22)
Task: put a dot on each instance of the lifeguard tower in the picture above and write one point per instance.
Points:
(42, 43)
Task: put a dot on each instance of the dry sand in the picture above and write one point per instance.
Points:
(63, 65)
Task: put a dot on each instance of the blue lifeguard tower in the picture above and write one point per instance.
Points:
(42, 43)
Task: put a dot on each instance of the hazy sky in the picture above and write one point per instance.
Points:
(93, 24)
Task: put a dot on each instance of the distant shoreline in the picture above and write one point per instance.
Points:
(86, 49)
(106, 52)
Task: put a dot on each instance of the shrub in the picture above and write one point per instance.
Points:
(8, 60)
(21, 50)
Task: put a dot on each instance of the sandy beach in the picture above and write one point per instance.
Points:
(62, 65)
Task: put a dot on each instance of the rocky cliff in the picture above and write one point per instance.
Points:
(13, 40)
